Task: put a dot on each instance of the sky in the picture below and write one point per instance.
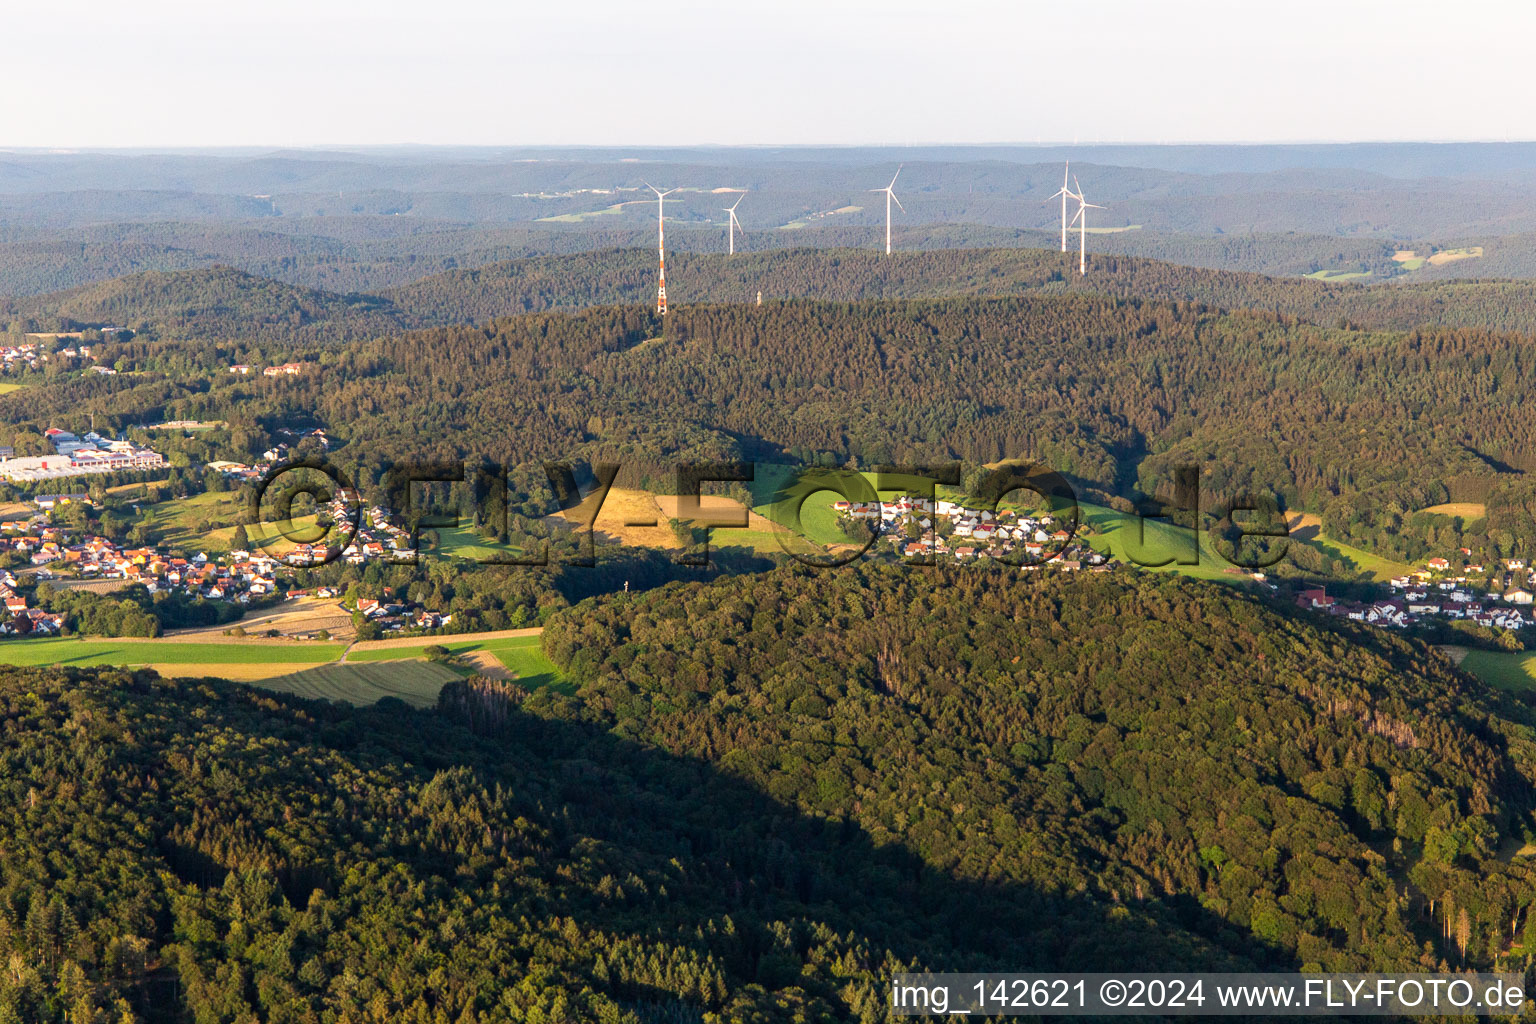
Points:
(89, 73)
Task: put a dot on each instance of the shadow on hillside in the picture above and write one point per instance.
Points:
(756, 860)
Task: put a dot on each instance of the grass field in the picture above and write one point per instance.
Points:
(1116, 534)
(87, 652)
(7, 386)
(818, 520)
(1511, 670)
(463, 542)
(207, 521)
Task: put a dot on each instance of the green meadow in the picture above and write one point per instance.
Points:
(85, 653)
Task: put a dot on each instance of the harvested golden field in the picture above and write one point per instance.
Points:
(627, 517)
(1305, 521)
(1464, 509)
(714, 506)
(457, 638)
(1452, 255)
(292, 617)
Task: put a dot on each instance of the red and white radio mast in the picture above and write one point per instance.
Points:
(661, 248)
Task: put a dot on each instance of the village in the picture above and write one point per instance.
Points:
(949, 529)
(46, 551)
(1442, 591)
(1439, 591)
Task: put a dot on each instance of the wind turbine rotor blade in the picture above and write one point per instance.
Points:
(895, 176)
(1076, 215)
(898, 203)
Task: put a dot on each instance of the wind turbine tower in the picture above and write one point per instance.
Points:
(1064, 192)
(661, 248)
(890, 194)
(1083, 206)
(733, 225)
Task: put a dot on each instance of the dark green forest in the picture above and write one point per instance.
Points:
(767, 793)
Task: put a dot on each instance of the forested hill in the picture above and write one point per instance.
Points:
(221, 303)
(851, 275)
(1136, 739)
(767, 794)
(213, 303)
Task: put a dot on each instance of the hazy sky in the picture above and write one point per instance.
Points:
(311, 72)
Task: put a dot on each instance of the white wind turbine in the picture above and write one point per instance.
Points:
(1083, 206)
(733, 225)
(1063, 192)
(890, 194)
(661, 248)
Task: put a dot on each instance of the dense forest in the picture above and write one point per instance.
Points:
(223, 304)
(767, 793)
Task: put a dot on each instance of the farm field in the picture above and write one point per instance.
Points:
(292, 616)
(415, 682)
(7, 386)
(1452, 255)
(1461, 509)
(307, 669)
(628, 516)
(521, 656)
